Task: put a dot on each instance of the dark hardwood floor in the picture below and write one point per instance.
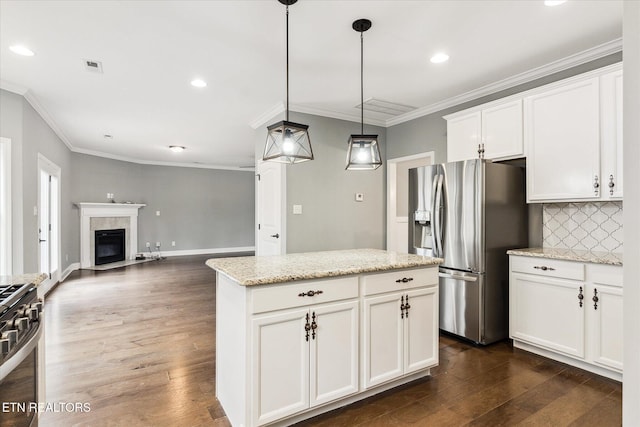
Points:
(137, 344)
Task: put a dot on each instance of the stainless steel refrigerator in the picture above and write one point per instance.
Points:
(470, 213)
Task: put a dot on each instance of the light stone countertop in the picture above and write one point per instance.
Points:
(610, 258)
(263, 270)
(35, 278)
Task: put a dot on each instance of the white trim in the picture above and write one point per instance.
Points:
(12, 87)
(31, 98)
(391, 189)
(211, 251)
(267, 116)
(52, 169)
(324, 112)
(6, 266)
(70, 269)
(579, 58)
(90, 210)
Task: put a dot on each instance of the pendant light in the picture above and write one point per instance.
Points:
(363, 152)
(287, 142)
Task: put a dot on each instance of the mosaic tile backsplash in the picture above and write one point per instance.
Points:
(593, 226)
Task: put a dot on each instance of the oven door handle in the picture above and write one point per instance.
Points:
(12, 362)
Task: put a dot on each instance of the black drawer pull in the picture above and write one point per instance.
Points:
(404, 280)
(544, 268)
(310, 293)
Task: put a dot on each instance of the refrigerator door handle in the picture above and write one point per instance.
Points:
(434, 240)
(458, 277)
(438, 216)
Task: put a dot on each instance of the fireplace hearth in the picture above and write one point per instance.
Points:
(109, 246)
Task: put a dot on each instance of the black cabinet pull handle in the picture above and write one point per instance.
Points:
(307, 328)
(544, 268)
(580, 297)
(314, 326)
(595, 299)
(407, 306)
(402, 307)
(404, 280)
(310, 293)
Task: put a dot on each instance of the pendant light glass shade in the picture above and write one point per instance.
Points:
(287, 142)
(364, 151)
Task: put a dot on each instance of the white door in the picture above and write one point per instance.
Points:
(398, 214)
(421, 329)
(549, 312)
(612, 156)
(334, 352)
(5, 208)
(270, 209)
(463, 137)
(48, 221)
(382, 343)
(502, 130)
(607, 325)
(280, 374)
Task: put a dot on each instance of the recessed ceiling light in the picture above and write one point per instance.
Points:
(554, 2)
(21, 50)
(439, 57)
(176, 148)
(198, 83)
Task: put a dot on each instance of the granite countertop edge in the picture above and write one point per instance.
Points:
(608, 258)
(297, 267)
(34, 278)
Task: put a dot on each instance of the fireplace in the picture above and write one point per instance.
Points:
(109, 246)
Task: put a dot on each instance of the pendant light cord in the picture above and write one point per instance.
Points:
(361, 83)
(287, 35)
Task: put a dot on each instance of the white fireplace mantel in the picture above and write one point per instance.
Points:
(90, 210)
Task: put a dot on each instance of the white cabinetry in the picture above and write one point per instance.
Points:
(562, 135)
(569, 311)
(611, 134)
(400, 327)
(497, 127)
(304, 358)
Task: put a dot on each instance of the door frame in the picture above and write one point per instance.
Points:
(392, 167)
(6, 204)
(46, 165)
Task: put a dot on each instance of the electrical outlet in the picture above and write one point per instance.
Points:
(157, 213)
(157, 244)
(173, 243)
(148, 244)
(359, 197)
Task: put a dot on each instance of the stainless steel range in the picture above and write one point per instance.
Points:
(20, 330)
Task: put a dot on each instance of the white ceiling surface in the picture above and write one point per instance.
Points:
(151, 50)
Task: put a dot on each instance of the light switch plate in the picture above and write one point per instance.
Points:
(359, 197)
(157, 213)
(297, 209)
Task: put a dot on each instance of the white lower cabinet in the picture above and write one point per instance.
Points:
(400, 331)
(569, 311)
(304, 358)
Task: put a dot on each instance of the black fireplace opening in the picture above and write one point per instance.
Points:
(109, 246)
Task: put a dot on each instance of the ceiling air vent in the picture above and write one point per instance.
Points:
(92, 66)
(386, 107)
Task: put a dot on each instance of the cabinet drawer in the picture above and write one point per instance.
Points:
(605, 274)
(399, 280)
(277, 297)
(548, 267)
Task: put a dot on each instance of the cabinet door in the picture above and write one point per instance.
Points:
(421, 329)
(502, 130)
(547, 312)
(607, 333)
(382, 341)
(562, 137)
(334, 352)
(280, 371)
(611, 109)
(463, 137)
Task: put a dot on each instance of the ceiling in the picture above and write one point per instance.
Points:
(151, 50)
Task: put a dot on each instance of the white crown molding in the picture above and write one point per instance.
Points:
(570, 61)
(265, 117)
(12, 87)
(157, 163)
(30, 97)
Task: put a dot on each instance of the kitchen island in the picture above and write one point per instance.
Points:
(302, 334)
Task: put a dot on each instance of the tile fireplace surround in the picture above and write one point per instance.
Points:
(102, 216)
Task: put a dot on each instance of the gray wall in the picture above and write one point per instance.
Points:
(331, 218)
(199, 208)
(31, 135)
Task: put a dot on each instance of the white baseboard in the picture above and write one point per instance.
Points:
(70, 269)
(205, 251)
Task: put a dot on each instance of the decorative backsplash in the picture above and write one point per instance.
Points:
(591, 226)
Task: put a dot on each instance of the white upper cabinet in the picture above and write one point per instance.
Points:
(562, 135)
(611, 134)
(496, 127)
